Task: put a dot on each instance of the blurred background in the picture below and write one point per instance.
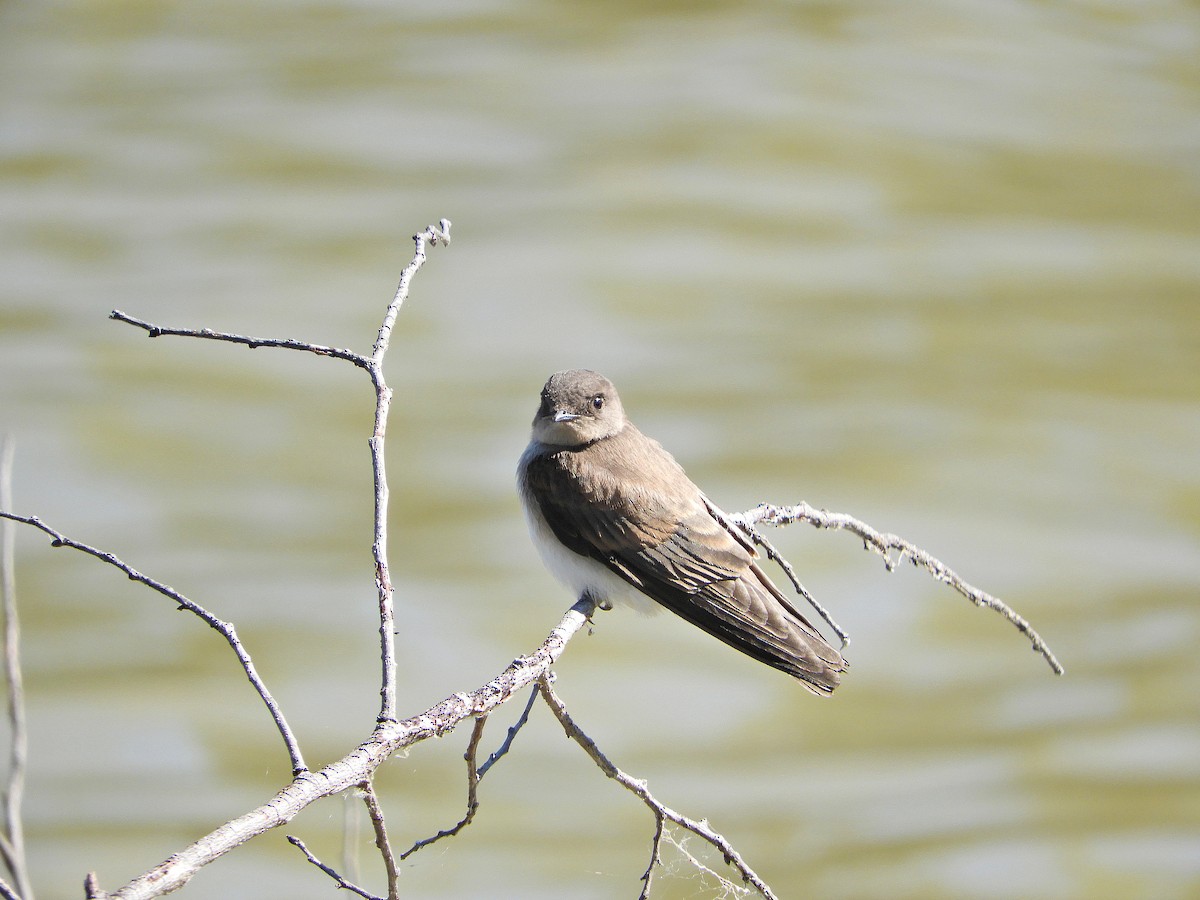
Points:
(936, 266)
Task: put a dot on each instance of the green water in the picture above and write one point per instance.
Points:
(937, 266)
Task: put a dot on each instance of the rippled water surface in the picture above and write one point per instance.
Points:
(934, 265)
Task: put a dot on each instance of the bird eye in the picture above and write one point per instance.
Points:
(598, 402)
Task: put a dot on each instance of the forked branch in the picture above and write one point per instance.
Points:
(225, 629)
(662, 813)
(373, 365)
(471, 756)
(357, 768)
(884, 543)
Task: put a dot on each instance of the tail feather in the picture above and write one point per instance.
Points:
(784, 639)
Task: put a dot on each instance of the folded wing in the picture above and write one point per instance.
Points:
(651, 527)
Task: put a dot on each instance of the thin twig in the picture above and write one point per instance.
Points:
(775, 556)
(655, 855)
(12, 841)
(373, 365)
(253, 343)
(383, 404)
(883, 544)
(472, 792)
(375, 811)
(330, 871)
(226, 629)
(638, 787)
(390, 735)
(431, 235)
(730, 522)
(357, 765)
(513, 731)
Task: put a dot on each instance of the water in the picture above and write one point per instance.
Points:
(933, 267)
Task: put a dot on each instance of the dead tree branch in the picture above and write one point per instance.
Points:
(884, 544)
(775, 556)
(373, 365)
(333, 873)
(356, 770)
(375, 811)
(12, 838)
(513, 731)
(225, 629)
(661, 811)
(472, 792)
(357, 766)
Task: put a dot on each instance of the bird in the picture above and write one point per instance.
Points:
(616, 519)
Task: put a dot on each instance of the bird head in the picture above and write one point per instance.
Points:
(578, 407)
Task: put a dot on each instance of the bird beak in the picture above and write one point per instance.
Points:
(565, 417)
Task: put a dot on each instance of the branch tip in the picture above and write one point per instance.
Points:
(883, 544)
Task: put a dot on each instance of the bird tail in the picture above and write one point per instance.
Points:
(786, 640)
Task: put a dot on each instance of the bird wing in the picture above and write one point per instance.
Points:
(640, 515)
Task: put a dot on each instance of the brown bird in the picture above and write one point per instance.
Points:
(615, 518)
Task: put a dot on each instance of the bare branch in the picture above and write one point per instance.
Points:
(375, 811)
(655, 855)
(12, 840)
(433, 234)
(513, 731)
(253, 343)
(357, 768)
(358, 765)
(883, 544)
(225, 629)
(638, 787)
(373, 365)
(774, 555)
(730, 522)
(383, 404)
(472, 792)
(328, 870)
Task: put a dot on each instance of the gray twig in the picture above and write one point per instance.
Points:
(730, 522)
(253, 343)
(884, 544)
(373, 365)
(12, 840)
(375, 811)
(513, 731)
(330, 871)
(356, 766)
(660, 831)
(226, 629)
(473, 777)
(383, 402)
(639, 788)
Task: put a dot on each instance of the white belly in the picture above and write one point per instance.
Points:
(579, 573)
